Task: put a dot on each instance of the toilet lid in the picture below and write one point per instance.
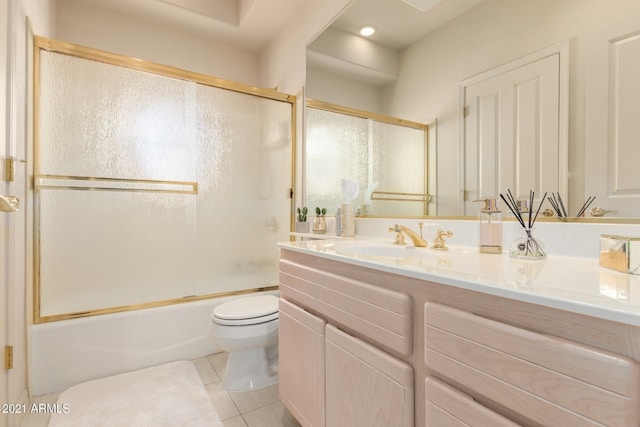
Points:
(248, 308)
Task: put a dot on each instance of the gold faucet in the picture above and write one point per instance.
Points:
(439, 242)
(415, 238)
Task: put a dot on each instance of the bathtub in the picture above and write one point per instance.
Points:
(68, 352)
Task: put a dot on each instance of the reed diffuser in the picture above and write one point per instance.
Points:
(527, 246)
(558, 206)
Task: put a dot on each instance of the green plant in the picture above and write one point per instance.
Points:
(302, 214)
(321, 212)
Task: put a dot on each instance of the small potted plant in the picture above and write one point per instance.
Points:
(319, 222)
(302, 226)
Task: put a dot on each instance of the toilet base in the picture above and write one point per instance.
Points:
(251, 369)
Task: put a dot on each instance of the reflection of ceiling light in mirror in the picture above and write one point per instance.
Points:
(422, 5)
(367, 30)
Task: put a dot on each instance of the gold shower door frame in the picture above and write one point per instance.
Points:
(42, 181)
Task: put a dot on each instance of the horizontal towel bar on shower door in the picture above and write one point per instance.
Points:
(91, 183)
(400, 197)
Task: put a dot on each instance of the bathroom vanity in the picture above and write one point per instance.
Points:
(373, 334)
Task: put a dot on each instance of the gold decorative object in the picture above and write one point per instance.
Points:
(620, 253)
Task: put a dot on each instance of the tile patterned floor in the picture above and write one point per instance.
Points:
(258, 408)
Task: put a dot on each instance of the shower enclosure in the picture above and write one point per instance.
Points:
(153, 185)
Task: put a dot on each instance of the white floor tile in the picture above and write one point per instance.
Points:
(235, 422)
(206, 371)
(274, 415)
(247, 401)
(222, 401)
(219, 362)
(39, 419)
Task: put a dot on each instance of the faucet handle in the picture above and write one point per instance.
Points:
(399, 237)
(439, 242)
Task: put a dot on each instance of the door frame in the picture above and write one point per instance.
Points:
(561, 49)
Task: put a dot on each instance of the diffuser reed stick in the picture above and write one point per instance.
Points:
(558, 205)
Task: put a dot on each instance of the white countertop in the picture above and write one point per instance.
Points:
(567, 283)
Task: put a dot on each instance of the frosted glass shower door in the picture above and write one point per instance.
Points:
(243, 168)
(151, 189)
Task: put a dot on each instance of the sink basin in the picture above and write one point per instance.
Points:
(388, 250)
(460, 259)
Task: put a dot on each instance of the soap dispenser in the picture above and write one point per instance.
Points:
(490, 217)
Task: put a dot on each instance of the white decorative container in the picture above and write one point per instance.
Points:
(348, 222)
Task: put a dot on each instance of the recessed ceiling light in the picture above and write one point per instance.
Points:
(367, 30)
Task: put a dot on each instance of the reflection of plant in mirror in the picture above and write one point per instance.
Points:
(321, 212)
(302, 214)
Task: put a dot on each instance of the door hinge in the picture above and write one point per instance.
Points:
(291, 193)
(8, 357)
(9, 174)
(465, 111)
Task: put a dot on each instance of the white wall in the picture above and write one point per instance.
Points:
(493, 33)
(87, 25)
(337, 89)
(41, 13)
(283, 62)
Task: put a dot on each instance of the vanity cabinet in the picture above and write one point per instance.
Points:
(541, 380)
(334, 370)
(401, 351)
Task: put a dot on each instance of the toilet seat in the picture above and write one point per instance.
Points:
(246, 311)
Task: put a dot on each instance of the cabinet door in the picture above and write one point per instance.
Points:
(365, 387)
(302, 363)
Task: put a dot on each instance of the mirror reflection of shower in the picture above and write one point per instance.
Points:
(387, 157)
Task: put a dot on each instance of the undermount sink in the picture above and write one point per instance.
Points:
(460, 261)
(389, 250)
(381, 250)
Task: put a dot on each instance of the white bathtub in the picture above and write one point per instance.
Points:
(68, 352)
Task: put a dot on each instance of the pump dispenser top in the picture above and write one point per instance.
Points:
(490, 204)
(490, 217)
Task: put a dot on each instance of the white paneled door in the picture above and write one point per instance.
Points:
(612, 117)
(514, 129)
(4, 286)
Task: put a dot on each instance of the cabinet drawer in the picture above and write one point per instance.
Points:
(544, 379)
(382, 315)
(446, 406)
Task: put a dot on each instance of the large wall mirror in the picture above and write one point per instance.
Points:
(416, 64)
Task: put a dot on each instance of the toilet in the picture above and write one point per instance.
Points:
(247, 328)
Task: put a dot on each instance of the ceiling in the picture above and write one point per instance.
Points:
(245, 24)
(399, 24)
(252, 24)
